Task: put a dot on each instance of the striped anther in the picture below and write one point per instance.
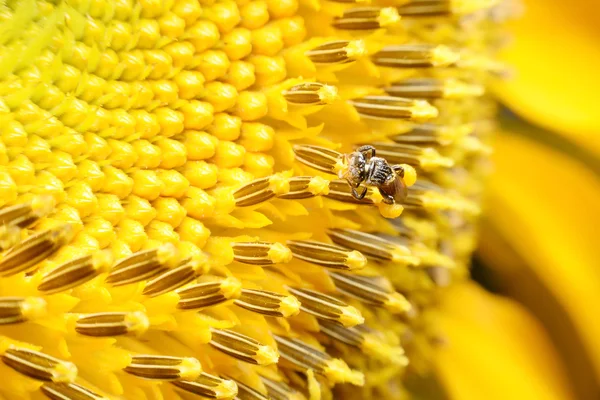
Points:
(327, 255)
(25, 214)
(373, 246)
(245, 392)
(433, 135)
(304, 187)
(327, 307)
(172, 279)
(143, 265)
(304, 357)
(69, 391)
(208, 294)
(279, 390)
(38, 365)
(319, 158)
(433, 88)
(261, 253)
(340, 190)
(366, 18)
(14, 310)
(371, 291)
(76, 272)
(268, 303)
(337, 52)
(260, 190)
(415, 56)
(112, 324)
(243, 347)
(25, 255)
(426, 158)
(311, 94)
(390, 107)
(164, 367)
(210, 386)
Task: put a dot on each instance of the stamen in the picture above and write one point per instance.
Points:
(351, 336)
(25, 255)
(327, 307)
(209, 294)
(243, 347)
(304, 187)
(279, 390)
(327, 255)
(366, 18)
(164, 367)
(26, 214)
(371, 291)
(112, 324)
(172, 279)
(372, 246)
(340, 190)
(268, 303)
(428, 197)
(389, 107)
(311, 94)
(433, 88)
(210, 386)
(245, 392)
(143, 265)
(261, 253)
(319, 158)
(425, 8)
(69, 391)
(415, 56)
(14, 310)
(431, 134)
(305, 357)
(261, 190)
(337, 52)
(426, 158)
(75, 273)
(38, 365)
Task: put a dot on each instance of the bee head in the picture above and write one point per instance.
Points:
(354, 168)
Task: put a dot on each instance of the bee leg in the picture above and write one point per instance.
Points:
(387, 199)
(398, 169)
(358, 196)
(365, 151)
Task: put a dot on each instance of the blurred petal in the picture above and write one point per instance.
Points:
(496, 350)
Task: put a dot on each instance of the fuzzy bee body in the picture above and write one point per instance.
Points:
(365, 168)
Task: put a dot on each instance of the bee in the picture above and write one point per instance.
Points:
(364, 167)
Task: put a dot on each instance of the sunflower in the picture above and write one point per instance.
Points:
(177, 214)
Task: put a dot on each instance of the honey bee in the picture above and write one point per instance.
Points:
(364, 167)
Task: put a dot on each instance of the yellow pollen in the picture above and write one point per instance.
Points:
(388, 16)
(278, 253)
(266, 355)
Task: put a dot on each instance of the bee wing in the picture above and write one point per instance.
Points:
(400, 190)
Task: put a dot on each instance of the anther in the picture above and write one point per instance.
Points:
(25, 255)
(261, 253)
(208, 294)
(112, 324)
(426, 158)
(433, 88)
(14, 310)
(268, 303)
(243, 347)
(245, 392)
(279, 390)
(327, 307)
(209, 386)
(75, 273)
(366, 18)
(371, 291)
(372, 246)
(327, 255)
(311, 94)
(337, 52)
(304, 187)
(164, 367)
(143, 265)
(304, 357)
(390, 107)
(432, 134)
(38, 365)
(340, 190)
(173, 278)
(26, 214)
(415, 56)
(319, 158)
(69, 391)
(261, 190)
